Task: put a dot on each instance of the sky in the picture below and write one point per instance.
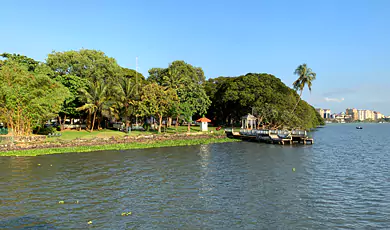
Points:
(347, 43)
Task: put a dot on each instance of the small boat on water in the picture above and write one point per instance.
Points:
(359, 127)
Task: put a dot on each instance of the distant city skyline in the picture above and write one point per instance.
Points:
(344, 42)
(355, 114)
(343, 111)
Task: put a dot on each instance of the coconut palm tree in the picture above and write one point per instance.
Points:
(306, 77)
(95, 98)
(126, 92)
(173, 79)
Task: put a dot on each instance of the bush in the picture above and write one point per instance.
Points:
(47, 130)
(146, 126)
(3, 131)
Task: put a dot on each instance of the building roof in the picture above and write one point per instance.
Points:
(249, 117)
(203, 119)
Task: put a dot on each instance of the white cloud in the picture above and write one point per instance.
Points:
(328, 99)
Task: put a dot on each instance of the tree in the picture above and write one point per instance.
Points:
(28, 99)
(264, 95)
(29, 63)
(71, 103)
(80, 70)
(188, 82)
(305, 78)
(92, 65)
(94, 99)
(194, 101)
(156, 101)
(127, 93)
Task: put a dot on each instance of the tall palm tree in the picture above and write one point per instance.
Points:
(305, 77)
(95, 98)
(126, 90)
(173, 79)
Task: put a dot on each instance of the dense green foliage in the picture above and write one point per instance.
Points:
(89, 86)
(264, 95)
(188, 82)
(156, 101)
(27, 97)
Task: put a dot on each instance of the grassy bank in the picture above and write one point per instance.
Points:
(106, 133)
(122, 146)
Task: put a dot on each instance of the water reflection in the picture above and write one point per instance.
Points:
(204, 161)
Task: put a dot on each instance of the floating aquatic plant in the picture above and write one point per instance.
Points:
(126, 213)
(121, 146)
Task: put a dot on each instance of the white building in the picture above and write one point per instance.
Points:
(327, 113)
(361, 115)
(369, 115)
(378, 115)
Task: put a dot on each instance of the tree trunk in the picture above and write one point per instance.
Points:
(63, 123)
(59, 122)
(93, 121)
(177, 122)
(160, 123)
(88, 123)
(169, 122)
(299, 99)
(100, 122)
(81, 122)
(127, 125)
(39, 129)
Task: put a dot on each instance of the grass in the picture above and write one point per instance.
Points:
(122, 146)
(106, 133)
(73, 134)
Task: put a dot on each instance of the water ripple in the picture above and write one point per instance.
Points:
(341, 182)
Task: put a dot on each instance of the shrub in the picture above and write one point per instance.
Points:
(47, 130)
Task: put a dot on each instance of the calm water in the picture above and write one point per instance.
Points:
(341, 182)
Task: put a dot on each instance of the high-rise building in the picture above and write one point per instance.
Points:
(378, 115)
(327, 114)
(324, 113)
(369, 115)
(321, 112)
(361, 115)
(354, 114)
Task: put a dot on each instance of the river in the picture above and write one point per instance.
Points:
(340, 182)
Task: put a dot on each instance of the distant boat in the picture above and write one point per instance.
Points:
(359, 127)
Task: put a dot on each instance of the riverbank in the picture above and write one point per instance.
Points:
(100, 144)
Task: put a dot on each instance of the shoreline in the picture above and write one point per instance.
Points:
(122, 144)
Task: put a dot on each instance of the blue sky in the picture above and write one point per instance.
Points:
(347, 43)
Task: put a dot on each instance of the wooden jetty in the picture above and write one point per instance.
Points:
(271, 136)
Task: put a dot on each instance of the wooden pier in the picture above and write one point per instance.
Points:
(271, 136)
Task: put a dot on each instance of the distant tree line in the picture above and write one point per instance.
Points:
(91, 86)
